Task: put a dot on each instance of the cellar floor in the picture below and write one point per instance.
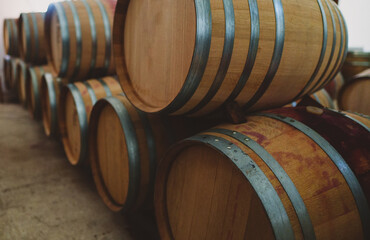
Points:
(43, 197)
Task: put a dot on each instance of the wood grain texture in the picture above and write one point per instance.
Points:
(155, 53)
(354, 95)
(200, 194)
(74, 114)
(32, 38)
(11, 37)
(78, 38)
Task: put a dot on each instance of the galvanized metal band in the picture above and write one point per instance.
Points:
(200, 56)
(36, 37)
(226, 56)
(322, 54)
(106, 88)
(358, 64)
(91, 92)
(108, 35)
(282, 176)
(323, 81)
(133, 151)
(152, 150)
(276, 57)
(26, 28)
(65, 37)
(358, 54)
(53, 103)
(78, 32)
(336, 68)
(94, 40)
(252, 51)
(270, 200)
(353, 119)
(349, 176)
(337, 62)
(83, 121)
(15, 32)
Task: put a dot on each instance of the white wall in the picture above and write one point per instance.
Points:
(357, 16)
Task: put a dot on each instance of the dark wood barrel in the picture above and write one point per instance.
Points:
(50, 92)
(355, 63)
(78, 36)
(77, 101)
(355, 94)
(125, 145)
(335, 85)
(10, 37)
(32, 38)
(7, 71)
(281, 175)
(201, 55)
(21, 82)
(33, 89)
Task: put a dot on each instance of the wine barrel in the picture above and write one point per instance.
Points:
(77, 101)
(32, 38)
(355, 63)
(324, 99)
(7, 71)
(78, 36)
(125, 146)
(1, 90)
(10, 35)
(355, 94)
(13, 72)
(21, 82)
(199, 56)
(273, 177)
(33, 88)
(50, 91)
(335, 85)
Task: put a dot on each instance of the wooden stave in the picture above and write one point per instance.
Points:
(83, 116)
(33, 25)
(134, 97)
(72, 66)
(324, 99)
(356, 79)
(10, 31)
(355, 63)
(161, 212)
(21, 83)
(33, 88)
(335, 85)
(6, 67)
(50, 91)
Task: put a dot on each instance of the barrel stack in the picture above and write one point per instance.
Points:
(178, 107)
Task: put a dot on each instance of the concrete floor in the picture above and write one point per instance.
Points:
(43, 197)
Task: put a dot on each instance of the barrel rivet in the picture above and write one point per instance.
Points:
(234, 132)
(216, 140)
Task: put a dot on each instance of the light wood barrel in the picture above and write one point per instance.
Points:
(355, 63)
(21, 82)
(78, 35)
(324, 99)
(355, 94)
(190, 57)
(33, 88)
(50, 91)
(10, 35)
(77, 101)
(273, 177)
(32, 38)
(125, 146)
(7, 71)
(335, 85)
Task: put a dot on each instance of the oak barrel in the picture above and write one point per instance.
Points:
(355, 94)
(77, 101)
(10, 37)
(21, 82)
(50, 92)
(32, 38)
(324, 99)
(335, 85)
(33, 89)
(355, 63)
(13, 74)
(191, 57)
(7, 71)
(78, 36)
(274, 177)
